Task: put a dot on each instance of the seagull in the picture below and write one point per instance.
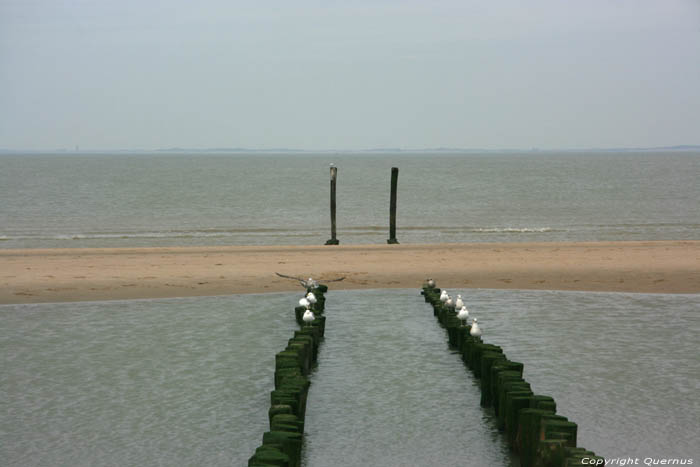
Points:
(309, 283)
(443, 296)
(305, 303)
(459, 303)
(431, 283)
(311, 297)
(463, 315)
(308, 317)
(449, 303)
(475, 331)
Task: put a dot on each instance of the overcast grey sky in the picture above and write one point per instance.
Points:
(339, 74)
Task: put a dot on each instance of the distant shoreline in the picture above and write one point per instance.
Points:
(439, 150)
(80, 274)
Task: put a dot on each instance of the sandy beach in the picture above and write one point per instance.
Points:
(60, 275)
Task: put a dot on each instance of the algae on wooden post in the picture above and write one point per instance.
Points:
(288, 442)
(282, 444)
(268, 455)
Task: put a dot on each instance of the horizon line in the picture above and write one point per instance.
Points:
(176, 149)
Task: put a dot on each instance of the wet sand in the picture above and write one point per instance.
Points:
(61, 275)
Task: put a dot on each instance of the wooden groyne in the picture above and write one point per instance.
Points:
(281, 445)
(533, 429)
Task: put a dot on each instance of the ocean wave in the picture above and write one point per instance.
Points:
(271, 234)
(454, 229)
(516, 229)
(300, 232)
(183, 234)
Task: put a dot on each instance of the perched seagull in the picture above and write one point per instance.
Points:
(463, 315)
(309, 283)
(305, 303)
(308, 317)
(443, 296)
(475, 331)
(459, 303)
(449, 303)
(311, 297)
(431, 283)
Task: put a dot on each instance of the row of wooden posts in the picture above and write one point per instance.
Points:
(392, 206)
(281, 445)
(539, 436)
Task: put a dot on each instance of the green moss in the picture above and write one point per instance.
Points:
(528, 436)
(279, 409)
(550, 452)
(289, 442)
(487, 361)
(268, 455)
(550, 426)
(506, 406)
(283, 422)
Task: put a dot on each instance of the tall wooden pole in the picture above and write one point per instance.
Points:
(392, 206)
(334, 175)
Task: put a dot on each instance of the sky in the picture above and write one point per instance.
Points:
(146, 74)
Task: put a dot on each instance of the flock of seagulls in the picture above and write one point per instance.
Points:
(462, 312)
(308, 302)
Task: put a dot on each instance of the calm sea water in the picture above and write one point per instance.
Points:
(186, 381)
(95, 200)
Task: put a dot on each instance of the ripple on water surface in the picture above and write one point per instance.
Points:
(387, 391)
(186, 382)
(624, 367)
(178, 382)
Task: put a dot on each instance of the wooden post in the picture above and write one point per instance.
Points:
(392, 206)
(334, 175)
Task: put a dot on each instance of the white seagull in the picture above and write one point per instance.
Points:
(449, 303)
(475, 331)
(443, 296)
(304, 302)
(463, 315)
(431, 283)
(311, 297)
(309, 283)
(459, 303)
(308, 317)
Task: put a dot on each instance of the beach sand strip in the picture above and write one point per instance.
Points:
(61, 275)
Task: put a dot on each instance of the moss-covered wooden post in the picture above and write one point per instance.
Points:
(392, 206)
(534, 431)
(334, 176)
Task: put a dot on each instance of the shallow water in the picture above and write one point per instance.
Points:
(187, 381)
(625, 367)
(388, 392)
(182, 382)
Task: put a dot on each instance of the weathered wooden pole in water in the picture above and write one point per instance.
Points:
(334, 175)
(392, 206)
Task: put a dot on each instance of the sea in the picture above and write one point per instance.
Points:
(186, 381)
(189, 199)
